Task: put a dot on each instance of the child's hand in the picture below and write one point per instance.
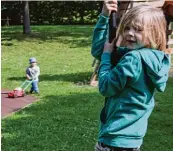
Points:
(108, 6)
(108, 47)
(28, 77)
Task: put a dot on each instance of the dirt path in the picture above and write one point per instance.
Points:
(10, 105)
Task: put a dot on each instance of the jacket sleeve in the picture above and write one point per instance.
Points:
(113, 80)
(27, 73)
(100, 36)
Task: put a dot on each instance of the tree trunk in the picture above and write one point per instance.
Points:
(26, 19)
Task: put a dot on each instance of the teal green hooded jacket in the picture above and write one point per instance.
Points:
(128, 88)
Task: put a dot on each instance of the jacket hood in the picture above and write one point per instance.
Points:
(157, 65)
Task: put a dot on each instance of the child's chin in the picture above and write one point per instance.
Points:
(134, 46)
(130, 47)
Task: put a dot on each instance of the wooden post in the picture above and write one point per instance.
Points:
(93, 81)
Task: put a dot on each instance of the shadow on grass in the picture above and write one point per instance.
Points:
(58, 123)
(75, 36)
(64, 122)
(72, 77)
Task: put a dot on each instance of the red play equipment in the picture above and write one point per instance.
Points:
(20, 91)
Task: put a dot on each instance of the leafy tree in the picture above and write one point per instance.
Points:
(54, 12)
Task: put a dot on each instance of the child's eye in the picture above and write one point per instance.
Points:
(127, 28)
(138, 29)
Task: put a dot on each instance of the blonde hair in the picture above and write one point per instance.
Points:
(151, 20)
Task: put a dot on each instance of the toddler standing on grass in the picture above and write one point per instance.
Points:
(129, 77)
(32, 73)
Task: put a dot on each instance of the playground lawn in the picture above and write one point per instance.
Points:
(65, 118)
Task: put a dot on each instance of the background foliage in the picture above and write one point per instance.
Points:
(53, 12)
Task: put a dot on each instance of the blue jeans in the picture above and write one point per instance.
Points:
(34, 87)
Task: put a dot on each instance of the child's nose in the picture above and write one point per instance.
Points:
(131, 32)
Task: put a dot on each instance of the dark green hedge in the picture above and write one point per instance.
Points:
(53, 12)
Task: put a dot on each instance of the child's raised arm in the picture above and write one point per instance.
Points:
(100, 34)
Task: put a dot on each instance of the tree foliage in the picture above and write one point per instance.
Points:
(53, 12)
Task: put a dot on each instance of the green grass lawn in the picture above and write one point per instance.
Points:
(66, 116)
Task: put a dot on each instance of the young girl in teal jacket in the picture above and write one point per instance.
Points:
(129, 84)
